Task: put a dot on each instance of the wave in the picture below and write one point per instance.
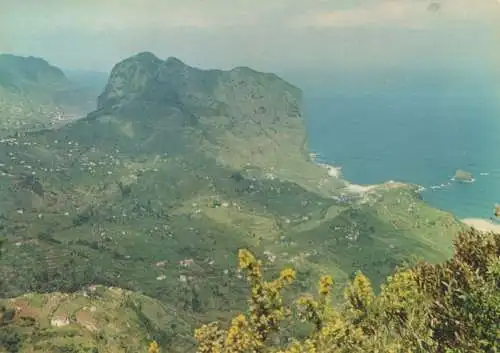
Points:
(421, 189)
(463, 181)
(441, 186)
(333, 171)
(468, 181)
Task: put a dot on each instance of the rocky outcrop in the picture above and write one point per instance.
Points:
(239, 117)
(463, 176)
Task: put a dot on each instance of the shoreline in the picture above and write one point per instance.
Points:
(352, 188)
(336, 172)
(333, 171)
(482, 224)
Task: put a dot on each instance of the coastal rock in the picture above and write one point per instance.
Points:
(463, 176)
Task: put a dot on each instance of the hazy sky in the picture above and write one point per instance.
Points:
(270, 35)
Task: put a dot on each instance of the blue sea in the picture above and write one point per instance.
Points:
(413, 127)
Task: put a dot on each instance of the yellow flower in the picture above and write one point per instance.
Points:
(239, 320)
(153, 347)
(210, 338)
(359, 293)
(245, 258)
(287, 275)
(305, 300)
(325, 284)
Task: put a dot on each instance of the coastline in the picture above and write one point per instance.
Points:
(482, 224)
(336, 172)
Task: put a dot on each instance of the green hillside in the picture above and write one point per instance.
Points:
(98, 319)
(176, 170)
(35, 94)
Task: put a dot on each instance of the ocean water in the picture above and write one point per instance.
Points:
(417, 128)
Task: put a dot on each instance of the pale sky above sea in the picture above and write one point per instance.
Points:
(268, 35)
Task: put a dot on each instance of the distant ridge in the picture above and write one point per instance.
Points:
(36, 95)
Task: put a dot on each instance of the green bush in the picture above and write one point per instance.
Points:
(452, 307)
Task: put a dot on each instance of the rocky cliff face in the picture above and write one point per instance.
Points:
(146, 80)
(240, 117)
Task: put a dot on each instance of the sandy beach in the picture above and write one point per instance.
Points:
(335, 172)
(355, 188)
(482, 224)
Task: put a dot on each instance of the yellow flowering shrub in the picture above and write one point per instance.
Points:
(266, 310)
(411, 314)
(359, 294)
(325, 285)
(153, 347)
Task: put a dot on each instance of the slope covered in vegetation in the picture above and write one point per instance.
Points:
(99, 319)
(453, 306)
(176, 170)
(36, 95)
(448, 307)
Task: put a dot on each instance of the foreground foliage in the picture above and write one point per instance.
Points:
(449, 307)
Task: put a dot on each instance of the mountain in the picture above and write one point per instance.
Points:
(29, 73)
(35, 94)
(239, 117)
(177, 169)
